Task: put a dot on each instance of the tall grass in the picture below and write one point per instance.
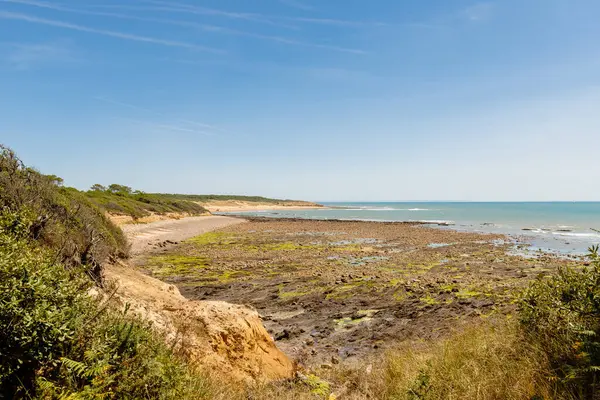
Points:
(487, 362)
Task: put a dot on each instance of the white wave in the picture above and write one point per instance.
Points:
(563, 233)
(434, 221)
(370, 209)
(577, 234)
(386, 209)
(367, 220)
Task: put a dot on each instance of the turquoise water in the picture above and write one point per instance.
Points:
(567, 227)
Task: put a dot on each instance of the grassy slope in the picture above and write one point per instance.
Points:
(212, 197)
(139, 205)
(142, 205)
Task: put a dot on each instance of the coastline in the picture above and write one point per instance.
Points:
(567, 229)
(523, 244)
(231, 206)
(345, 290)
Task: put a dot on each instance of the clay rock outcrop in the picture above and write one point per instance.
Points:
(217, 336)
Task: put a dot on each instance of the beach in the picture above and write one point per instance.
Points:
(229, 206)
(344, 291)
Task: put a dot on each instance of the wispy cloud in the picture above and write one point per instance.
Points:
(168, 127)
(261, 18)
(335, 22)
(175, 7)
(297, 4)
(203, 27)
(479, 12)
(103, 32)
(32, 3)
(26, 56)
(208, 128)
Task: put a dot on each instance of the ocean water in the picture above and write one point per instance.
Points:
(565, 227)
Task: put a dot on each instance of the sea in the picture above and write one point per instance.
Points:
(558, 227)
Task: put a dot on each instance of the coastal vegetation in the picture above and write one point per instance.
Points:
(60, 334)
(533, 334)
(123, 200)
(222, 197)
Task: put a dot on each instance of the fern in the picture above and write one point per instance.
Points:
(81, 370)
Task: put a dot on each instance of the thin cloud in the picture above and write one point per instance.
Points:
(479, 12)
(115, 34)
(335, 22)
(163, 127)
(159, 114)
(204, 27)
(174, 7)
(27, 56)
(33, 3)
(269, 19)
(297, 4)
(174, 128)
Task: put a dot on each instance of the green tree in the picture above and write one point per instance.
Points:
(120, 189)
(56, 180)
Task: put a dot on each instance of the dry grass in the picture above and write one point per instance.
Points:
(484, 362)
(490, 361)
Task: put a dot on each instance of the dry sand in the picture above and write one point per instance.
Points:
(145, 237)
(240, 206)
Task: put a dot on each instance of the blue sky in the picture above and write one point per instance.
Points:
(322, 100)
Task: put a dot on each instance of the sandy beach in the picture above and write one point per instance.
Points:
(242, 206)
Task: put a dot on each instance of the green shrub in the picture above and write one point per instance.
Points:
(57, 340)
(62, 219)
(38, 312)
(139, 205)
(562, 314)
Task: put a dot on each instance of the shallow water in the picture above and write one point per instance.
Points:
(565, 227)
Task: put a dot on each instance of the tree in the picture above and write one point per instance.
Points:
(120, 189)
(98, 188)
(57, 180)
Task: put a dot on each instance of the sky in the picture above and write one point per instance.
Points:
(328, 100)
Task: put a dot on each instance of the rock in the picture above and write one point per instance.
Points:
(285, 334)
(226, 338)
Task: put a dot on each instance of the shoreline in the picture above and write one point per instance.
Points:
(524, 243)
(258, 208)
(231, 206)
(346, 290)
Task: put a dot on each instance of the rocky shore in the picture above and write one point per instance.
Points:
(340, 291)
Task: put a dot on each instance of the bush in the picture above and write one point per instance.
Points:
(57, 340)
(562, 313)
(139, 205)
(62, 219)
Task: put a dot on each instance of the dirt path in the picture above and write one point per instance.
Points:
(161, 234)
